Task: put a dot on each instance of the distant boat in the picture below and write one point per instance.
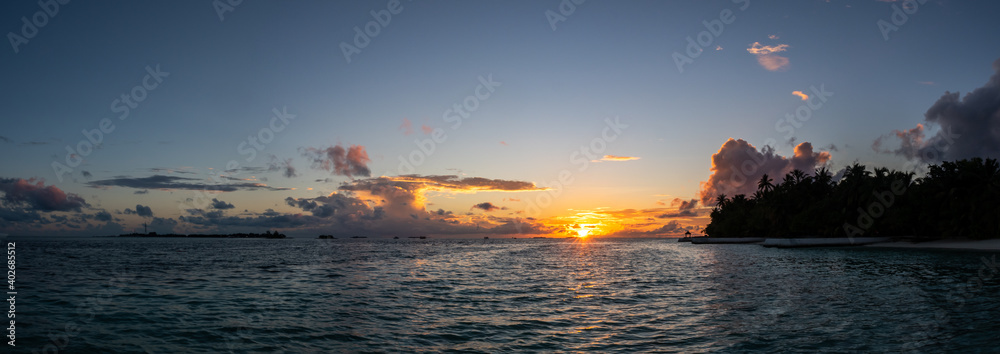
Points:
(326, 237)
(486, 238)
(395, 238)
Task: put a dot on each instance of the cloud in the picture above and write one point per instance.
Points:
(349, 162)
(33, 194)
(171, 170)
(968, 127)
(771, 36)
(221, 205)
(140, 210)
(285, 166)
(767, 58)
(102, 215)
(486, 206)
(800, 95)
(406, 127)
(737, 167)
(86, 174)
(174, 182)
(403, 195)
(426, 129)
(144, 191)
(618, 158)
(4, 139)
(685, 208)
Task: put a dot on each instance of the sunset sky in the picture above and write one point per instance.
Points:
(513, 118)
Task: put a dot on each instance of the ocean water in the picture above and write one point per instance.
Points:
(164, 295)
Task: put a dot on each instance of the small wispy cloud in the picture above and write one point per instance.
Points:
(618, 158)
(801, 95)
(406, 127)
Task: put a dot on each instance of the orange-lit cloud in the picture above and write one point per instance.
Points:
(800, 95)
(426, 129)
(767, 58)
(618, 158)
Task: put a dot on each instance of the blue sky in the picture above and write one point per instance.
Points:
(556, 88)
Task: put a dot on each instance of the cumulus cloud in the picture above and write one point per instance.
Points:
(174, 182)
(738, 166)
(33, 194)
(767, 58)
(967, 127)
(349, 162)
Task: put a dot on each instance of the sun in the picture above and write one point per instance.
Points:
(581, 233)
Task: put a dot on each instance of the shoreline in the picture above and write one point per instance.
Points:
(978, 245)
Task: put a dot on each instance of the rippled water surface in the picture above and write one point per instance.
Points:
(497, 295)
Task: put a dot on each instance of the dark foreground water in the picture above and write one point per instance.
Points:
(498, 295)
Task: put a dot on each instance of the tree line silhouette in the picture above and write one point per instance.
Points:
(959, 199)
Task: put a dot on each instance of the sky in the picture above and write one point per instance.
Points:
(465, 119)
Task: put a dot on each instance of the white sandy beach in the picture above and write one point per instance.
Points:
(983, 245)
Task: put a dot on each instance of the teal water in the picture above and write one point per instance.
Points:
(497, 295)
